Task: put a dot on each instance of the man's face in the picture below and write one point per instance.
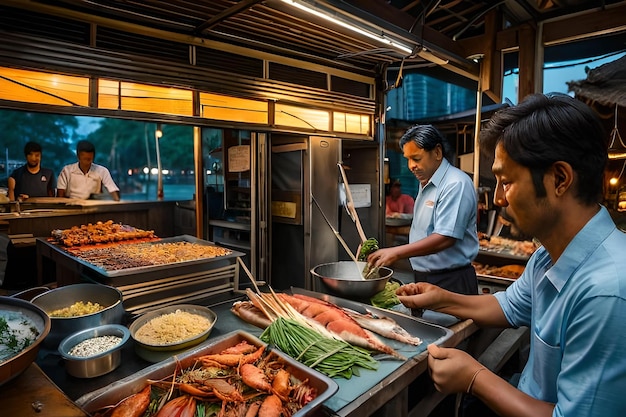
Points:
(33, 159)
(422, 163)
(515, 192)
(85, 159)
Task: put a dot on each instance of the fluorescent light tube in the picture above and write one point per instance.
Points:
(350, 26)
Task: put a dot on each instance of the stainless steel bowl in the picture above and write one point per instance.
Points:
(99, 364)
(15, 365)
(62, 297)
(344, 278)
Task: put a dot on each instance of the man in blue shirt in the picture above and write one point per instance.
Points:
(443, 240)
(550, 155)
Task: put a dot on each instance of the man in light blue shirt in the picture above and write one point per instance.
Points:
(443, 240)
(550, 155)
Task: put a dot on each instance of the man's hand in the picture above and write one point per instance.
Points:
(451, 370)
(383, 257)
(420, 295)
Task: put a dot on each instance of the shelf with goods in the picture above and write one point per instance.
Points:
(500, 261)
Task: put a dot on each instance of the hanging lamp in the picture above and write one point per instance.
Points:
(617, 149)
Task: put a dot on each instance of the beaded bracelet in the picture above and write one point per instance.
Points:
(469, 387)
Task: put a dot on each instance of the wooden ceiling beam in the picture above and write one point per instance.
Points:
(582, 26)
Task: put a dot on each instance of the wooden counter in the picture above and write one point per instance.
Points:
(39, 219)
(34, 394)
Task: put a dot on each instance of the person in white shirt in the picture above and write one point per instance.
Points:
(84, 178)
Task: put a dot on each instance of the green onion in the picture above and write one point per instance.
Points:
(331, 357)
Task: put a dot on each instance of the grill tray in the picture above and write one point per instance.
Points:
(151, 268)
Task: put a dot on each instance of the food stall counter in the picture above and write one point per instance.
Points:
(385, 392)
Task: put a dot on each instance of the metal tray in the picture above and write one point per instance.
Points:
(370, 383)
(116, 391)
(150, 268)
(428, 332)
(495, 279)
(504, 255)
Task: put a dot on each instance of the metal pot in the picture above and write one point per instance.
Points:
(345, 279)
(65, 296)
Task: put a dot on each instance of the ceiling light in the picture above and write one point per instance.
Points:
(370, 33)
(617, 149)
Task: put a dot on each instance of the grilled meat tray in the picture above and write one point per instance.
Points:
(151, 268)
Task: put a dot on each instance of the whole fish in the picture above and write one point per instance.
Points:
(328, 315)
(385, 326)
(338, 322)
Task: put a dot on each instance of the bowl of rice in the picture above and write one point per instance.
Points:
(94, 352)
(172, 328)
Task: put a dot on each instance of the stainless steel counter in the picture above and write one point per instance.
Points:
(388, 388)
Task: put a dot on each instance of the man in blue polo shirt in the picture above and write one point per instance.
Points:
(550, 156)
(443, 239)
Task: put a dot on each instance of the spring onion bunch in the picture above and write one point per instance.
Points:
(329, 356)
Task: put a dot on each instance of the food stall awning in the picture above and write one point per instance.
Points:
(359, 36)
(605, 85)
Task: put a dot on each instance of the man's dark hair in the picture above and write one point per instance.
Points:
(426, 137)
(31, 147)
(85, 146)
(544, 129)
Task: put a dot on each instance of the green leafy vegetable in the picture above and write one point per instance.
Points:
(329, 356)
(387, 298)
(369, 246)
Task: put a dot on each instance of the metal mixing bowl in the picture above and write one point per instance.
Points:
(95, 365)
(345, 279)
(15, 365)
(61, 297)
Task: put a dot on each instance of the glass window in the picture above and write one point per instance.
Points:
(121, 95)
(219, 107)
(351, 123)
(43, 88)
(126, 147)
(302, 117)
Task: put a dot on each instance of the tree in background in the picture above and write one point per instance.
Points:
(56, 134)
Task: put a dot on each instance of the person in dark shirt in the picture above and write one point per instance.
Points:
(31, 180)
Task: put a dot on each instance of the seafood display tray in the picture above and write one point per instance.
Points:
(371, 383)
(134, 383)
(151, 268)
(428, 332)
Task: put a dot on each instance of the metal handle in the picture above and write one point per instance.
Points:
(339, 238)
(350, 204)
